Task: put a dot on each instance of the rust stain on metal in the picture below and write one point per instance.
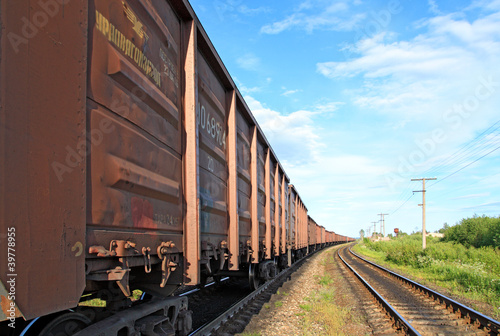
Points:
(9, 308)
(142, 213)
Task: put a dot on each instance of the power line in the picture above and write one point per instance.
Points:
(456, 171)
(403, 204)
(401, 197)
(480, 148)
(481, 145)
(467, 150)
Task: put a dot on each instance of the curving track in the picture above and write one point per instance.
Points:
(415, 309)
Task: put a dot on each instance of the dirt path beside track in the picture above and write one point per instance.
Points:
(288, 313)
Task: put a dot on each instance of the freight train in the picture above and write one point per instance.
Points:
(129, 161)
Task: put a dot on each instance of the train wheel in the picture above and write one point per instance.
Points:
(66, 324)
(253, 276)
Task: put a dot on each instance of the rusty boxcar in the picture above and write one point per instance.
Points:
(311, 233)
(129, 160)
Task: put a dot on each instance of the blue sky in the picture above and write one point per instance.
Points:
(358, 97)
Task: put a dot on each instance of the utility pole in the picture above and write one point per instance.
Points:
(374, 227)
(424, 243)
(383, 221)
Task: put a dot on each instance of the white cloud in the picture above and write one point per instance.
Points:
(328, 107)
(249, 62)
(424, 77)
(247, 90)
(309, 17)
(292, 136)
(290, 92)
(480, 35)
(232, 9)
(485, 4)
(318, 163)
(295, 136)
(433, 7)
(343, 183)
(416, 84)
(280, 26)
(472, 196)
(434, 54)
(418, 59)
(243, 9)
(491, 207)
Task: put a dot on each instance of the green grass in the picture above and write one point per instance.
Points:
(136, 295)
(325, 280)
(320, 309)
(279, 292)
(468, 271)
(306, 307)
(93, 303)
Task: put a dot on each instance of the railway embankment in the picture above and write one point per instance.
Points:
(467, 274)
(317, 300)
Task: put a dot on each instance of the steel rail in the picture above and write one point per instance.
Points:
(212, 327)
(399, 320)
(192, 291)
(486, 322)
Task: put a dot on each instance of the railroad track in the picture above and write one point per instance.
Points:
(415, 309)
(209, 302)
(235, 319)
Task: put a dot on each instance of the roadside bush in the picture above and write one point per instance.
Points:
(476, 231)
(404, 252)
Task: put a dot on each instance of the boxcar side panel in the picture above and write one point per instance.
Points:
(134, 102)
(212, 126)
(43, 154)
(244, 179)
(261, 189)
